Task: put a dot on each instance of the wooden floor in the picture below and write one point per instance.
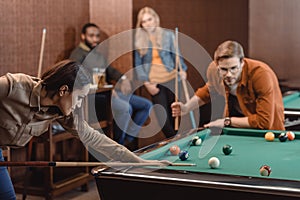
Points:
(75, 194)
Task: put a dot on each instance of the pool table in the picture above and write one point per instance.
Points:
(237, 177)
(291, 102)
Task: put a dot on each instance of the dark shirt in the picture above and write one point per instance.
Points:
(91, 59)
(234, 107)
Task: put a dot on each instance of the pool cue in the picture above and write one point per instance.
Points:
(187, 97)
(41, 53)
(84, 164)
(176, 76)
(39, 76)
(186, 92)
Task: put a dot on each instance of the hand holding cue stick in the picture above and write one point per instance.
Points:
(176, 76)
(85, 164)
(41, 53)
(186, 92)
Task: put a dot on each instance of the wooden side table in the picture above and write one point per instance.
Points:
(52, 181)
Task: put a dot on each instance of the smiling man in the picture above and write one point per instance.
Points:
(251, 90)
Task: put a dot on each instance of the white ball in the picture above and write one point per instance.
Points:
(198, 142)
(214, 162)
(196, 137)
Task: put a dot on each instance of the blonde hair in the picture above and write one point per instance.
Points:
(142, 37)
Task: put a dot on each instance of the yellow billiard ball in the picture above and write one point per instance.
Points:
(270, 136)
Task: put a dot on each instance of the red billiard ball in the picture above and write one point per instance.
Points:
(290, 135)
(265, 170)
(183, 155)
(174, 150)
(282, 137)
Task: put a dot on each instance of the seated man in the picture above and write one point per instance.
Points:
(123, 103)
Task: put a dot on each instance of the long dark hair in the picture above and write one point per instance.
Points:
(66, 72)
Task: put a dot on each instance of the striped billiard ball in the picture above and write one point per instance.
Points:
(174, 150)
(183, 155)
(290, 135)
(265, 170)
(196, 141)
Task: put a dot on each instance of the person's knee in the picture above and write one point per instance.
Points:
(148, 105)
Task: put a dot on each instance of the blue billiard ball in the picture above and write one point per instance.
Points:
(183, 155)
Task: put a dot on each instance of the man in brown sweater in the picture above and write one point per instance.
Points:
(250, 88)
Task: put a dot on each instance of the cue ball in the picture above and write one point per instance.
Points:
(227, 149)
(290, 135)
(174, 150)
(183, 155)
(214, 162)
(282, 137)
(269, 136)
(265, 170)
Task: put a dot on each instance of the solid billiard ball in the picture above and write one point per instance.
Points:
(269, 136)
(290, 135)
(265, 170)
(174, 150)
(196, 141)
(183, 155)
(214, 162)
(227, 149)
(282, 137)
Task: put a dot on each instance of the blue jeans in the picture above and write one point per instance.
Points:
(129, 113)
(7, 191)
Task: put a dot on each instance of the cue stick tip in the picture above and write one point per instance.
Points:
(183, 164)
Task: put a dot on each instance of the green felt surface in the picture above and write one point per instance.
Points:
(250, 152)
(292, 101)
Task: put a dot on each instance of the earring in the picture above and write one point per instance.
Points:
(61, 92)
